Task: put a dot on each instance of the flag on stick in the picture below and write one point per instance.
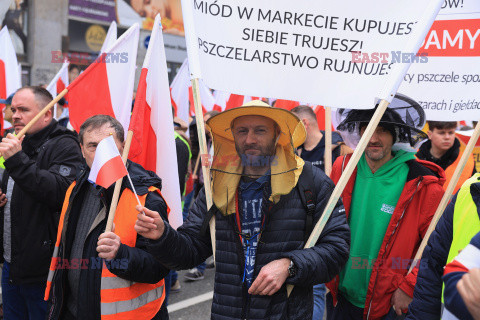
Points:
(153, 144)
(107, 166)
(106, 86)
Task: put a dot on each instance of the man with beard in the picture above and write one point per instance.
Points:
(445, 150)
(38, 171)
(261, 221)
(389, 201)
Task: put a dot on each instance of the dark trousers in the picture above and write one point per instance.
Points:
(347, 311)
(22, 301)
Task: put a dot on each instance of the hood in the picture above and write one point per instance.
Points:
(430, 172)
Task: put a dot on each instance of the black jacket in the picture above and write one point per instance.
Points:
(42, 172)
(142, 267)
(283, 237)
(426, 304)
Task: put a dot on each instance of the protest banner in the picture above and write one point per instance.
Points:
(446, 82)
(250, 48)
(259, 48)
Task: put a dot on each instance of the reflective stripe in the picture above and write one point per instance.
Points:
(129, 305)
(115, 283)
(447, 315)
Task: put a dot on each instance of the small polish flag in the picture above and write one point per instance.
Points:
(58, 83)
(107, 166)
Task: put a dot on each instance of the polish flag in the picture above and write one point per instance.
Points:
(180, 91)
(182, 94)
(9, 74)
(107, 166)
(106, 86)
(110, 38)
(153, 144)
(286, 104)
(58, 83)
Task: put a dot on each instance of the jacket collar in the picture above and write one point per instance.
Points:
(447, 159)
(33, 141)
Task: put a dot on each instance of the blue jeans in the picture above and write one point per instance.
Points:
(22, 301)
(168, 285)
(318, 301)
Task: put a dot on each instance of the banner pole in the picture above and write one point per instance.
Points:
(202, 141)
(41, 113)
(448, 194)
(341, 184)
(328, 141)
(118, 184)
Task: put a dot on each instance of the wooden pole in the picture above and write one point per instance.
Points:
(337, 192)
(118, 184)
(202, 141)
(328, 141)
(448, 193)
(41, 113)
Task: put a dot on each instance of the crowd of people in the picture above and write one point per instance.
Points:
(268, 189)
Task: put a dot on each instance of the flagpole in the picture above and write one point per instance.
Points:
(202, 141)
(118, 184)
(341, 184)
(328, 141)
(448, 194)
(41, 113)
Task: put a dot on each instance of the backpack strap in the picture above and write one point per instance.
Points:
(308, 195)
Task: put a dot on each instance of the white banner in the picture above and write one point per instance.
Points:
(304, 50)
(447, 82)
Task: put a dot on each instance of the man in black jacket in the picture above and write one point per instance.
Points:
(38, 171)
(261, 220)
(129, 282)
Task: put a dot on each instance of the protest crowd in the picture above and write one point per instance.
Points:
(301, 211)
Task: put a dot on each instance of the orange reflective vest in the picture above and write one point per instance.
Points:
(464, 175)
(120, 299)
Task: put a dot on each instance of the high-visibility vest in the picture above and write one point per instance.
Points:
(466, 223)
(464, 175)
(120, 299)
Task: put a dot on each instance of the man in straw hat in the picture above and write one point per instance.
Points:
(389, 200)
(261, 220)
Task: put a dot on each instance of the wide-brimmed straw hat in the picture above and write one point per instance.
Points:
(404, 115)
(291, 127)
(227, 169)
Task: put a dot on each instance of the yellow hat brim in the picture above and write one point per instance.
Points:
(291, 127)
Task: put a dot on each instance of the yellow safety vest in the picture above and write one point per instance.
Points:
(466, 223)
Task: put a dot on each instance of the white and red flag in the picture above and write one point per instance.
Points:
(106, 86)
(153, 144)
(9, 75)
(58, 83)
(182, 94)
(107, 166)
(110, 38)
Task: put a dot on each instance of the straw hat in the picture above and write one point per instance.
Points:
(226, 169)
(291, 127)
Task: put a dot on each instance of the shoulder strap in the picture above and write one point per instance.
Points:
(307, 192)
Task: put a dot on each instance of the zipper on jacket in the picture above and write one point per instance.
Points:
(388, 243)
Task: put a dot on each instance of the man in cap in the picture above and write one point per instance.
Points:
(261, 221)
(39, 169)
(389, 202)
